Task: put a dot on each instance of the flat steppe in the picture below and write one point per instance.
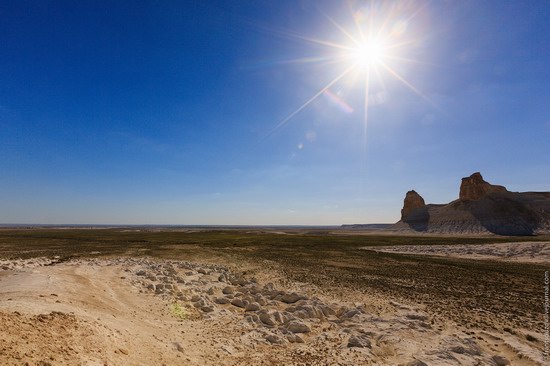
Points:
(149, 296)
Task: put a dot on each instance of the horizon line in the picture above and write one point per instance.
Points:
(6, 225)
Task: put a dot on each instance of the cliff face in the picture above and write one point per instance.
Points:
(474, 187)
(412, 202)
(414, 212)
(481, 208)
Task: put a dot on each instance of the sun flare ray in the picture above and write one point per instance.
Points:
(409, 85)
(309, 101)
(344, 31)
(373, 48)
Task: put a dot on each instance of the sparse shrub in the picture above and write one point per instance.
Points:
(178, 311)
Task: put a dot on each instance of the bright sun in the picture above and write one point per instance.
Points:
(368, 54)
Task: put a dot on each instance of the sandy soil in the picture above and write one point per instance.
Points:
(527, 252)
(140, 311)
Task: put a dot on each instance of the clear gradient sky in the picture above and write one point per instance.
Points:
(166, 112)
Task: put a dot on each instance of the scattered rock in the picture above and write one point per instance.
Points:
(253, 306)
(228, 290)
(467, 346)
(359, 341)
(417, 316)
(238, 303)
(274, 339)
(326, 310)
(298, 327)
(266, 319)
(222, 300)
(292, 298)
(282, 317)
(159, 288)
(348, 314)
(253, 318)
(294, 338)
(179, 347)
(500, 360)
(416, 363)
(207, 308)
(195, 298)
(260, 299)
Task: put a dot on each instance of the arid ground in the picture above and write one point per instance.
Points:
(268, 297)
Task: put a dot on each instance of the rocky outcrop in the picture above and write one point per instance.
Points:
(415, 213)
(412, 202)
(481, 208)
(474, 187)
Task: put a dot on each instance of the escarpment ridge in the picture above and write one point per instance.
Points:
(481, 208)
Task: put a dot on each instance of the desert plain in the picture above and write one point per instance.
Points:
(269, 296)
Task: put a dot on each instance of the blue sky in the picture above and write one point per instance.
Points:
(165, 112)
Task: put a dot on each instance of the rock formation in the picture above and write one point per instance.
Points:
(474, 187)
(480, 208)
(412, 201)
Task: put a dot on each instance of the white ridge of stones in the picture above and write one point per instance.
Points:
(208, 289)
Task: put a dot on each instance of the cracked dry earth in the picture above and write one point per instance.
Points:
(142, 311)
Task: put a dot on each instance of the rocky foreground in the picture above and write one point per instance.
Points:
(140, 311)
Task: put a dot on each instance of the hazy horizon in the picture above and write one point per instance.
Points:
(61, 225)
(253, 112)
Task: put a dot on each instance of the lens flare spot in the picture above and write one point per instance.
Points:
(399, 28)
(311, 136)
(338, 101)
